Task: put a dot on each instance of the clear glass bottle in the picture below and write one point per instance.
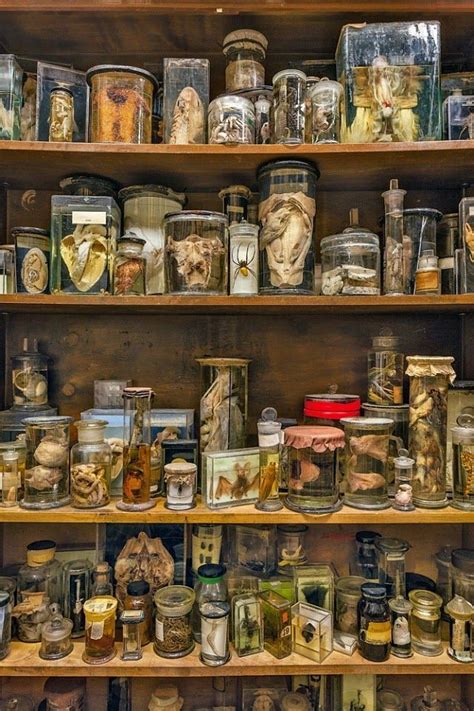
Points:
(401, 635)
(29, 377)
(99, 645)
(348, 594)
(462, 573)
(428, 274)
(11, 79)
(403, 497)
(91, 460)
(426, 622)
(101, 580)
(350, 264)
(214, 633)
(365, 561)
(276, 612)
(461, 614)
(269, 443)
(173, 630)
(290, 547)
(139, 598)
(247, 624)
(289, 93)
(132, 622)
(399, 439)
(61, 115)
(419, 235)
(10, 478)
(394, 279)
(263, 117)
(374, 623)
(210, 586)
(391, 565)
(41, 573)
(77, 589)
(462, 438)
(244, 259)
(231, 120)
(137, 450)
(385, 370)
(206, 544)
(7, 270)
(56, 642)
(130, 266)
(325, 98)
(235, 200)
(180, 479)
(5, 623)
(245, 55)
(460, 402)
(32, 256)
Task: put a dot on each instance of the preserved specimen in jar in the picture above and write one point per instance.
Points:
(129, 266)
(263, 117)
(32, 250)
(289, 92)
(231, 119)
(419, 235)
(61, 115)
(10, 478)
(463, 462)
(61, 104)
(348, 594)
(466, 235)
(30, 614)
(447, 238)
(173, 631)
(7, 269)
(47, 462)
(269, 442)
(185, 100)
(374, 623)
(401, 636)
(315, 584)
(139, 599)
(91, 460)
(247, 624)
(11, 78)
(29, 377)
(276, 624)
(5, 624)
(245, 53)
(426, 622)
(64, 694)
(403, 498)
(325, 97)
(385, 370)
(100, 614)
(235, 200)
(244, 259)
(394, 259)
(180, 480)
(460, 613)
(311, 631)
(231, 478)
(350, 264)
(254, 549)
(77, 589)
(132, 621)
(56, 640)
(206, 544)
(391, 565)
(28, 108)
(214, 633)
(458, 114)
(428, 274)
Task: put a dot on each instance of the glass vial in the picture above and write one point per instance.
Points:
(77, 589)
(393, 278)
(426, 622)
(374, 623)
(132, 621)
(269, 443)
(385, 370)
(10, 478)
(401, 635)
(243, 259)
(130, 266)
(428, 274)
(403, 498)
(61, 115)
(91, 461)
(214, 633)
(289, 91)
(461, 614)
(463, 463)
(100, 630)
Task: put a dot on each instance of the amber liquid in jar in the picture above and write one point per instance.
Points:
(136, 473)
(100, 640)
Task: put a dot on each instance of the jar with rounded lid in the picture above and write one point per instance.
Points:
(365, 561)
(41, 573)
(461, 614)
(462, 438)
(325, 111)
(401, 636)
(385, 370)
(210, 585)
(289, 107)
(56, 641)
(245, 52)
(91, 460)
(348, 594)
(329, 408)
(129, 277)
(5, 623)
(29, 377)
(426, 622)
(462, 573)
(350, 264)
(231, 120)
(139, 598)
(180, 479)
(100, 614)
(313, 485)
(374, 623)
(196, 252)
(173, 631)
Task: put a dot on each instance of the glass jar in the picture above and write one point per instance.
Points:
(399, 439)
(311, 633)
(206, 544)
(77, 589)
(121, 104)
(231, 120)
(139, 598)
(7, 269)
(276, 612)
(210, 586)
(91, 460)
(11, 79)
(385, 370)
(10, 478)
(137, 450)
(185, 100)
(247, 624)
(426, 622)
(365, 562)
(144, 210)
(244, 51)
(263, 117)
(460, 402)
(29, 377)
(289, 93)
(447, 241)
(443, 579)
(101, 580)
(196, 252)
(325, 98)
(391, 565)
(388, 700)
(401, 635)
(461, 614)
(223, 405)
(348, 594)
(30, 614)
(429, 381)
(61, 115)
(28, 108)
(180, 480)
(350, 264)
(243, 259)
(313, 485)
(419, 229)
(214, 633)
(86, 184)
(5, 623)
(47, 462)
(327, 409)
(428, 275)
(173, 631)
(100, 629)
(65, 694)
(56, 642)
(366, 462)
(269, 444)
(462, 573)
(315, 584)
(290, 547)
(286, 212)
(131, 621)
(8, 585)
(374, 623)
(41, 573)
(235, 200)
(129, 266)
(32, 255)
(403, 496)
(462, 438)
(394, 282)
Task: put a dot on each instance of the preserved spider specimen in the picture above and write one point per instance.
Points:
(243, 262)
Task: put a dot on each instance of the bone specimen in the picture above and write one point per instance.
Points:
(34, 271)
(89, 485)
(143, 558)
(350, 279)
(85, 254)
(188, 118)
(196, 258)
(231, 129)
(222, 422)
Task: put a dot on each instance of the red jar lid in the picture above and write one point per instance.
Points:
(332, 406)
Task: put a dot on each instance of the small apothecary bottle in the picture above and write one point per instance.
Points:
(130, 266)
(245, 54)
(348, 594)
(100, 629)
(11, 480)
(210, 586)
(61, 115)
(244, 260)
(56, 641)
(276, 623)
(401, 634)
(462, 438)
(132, 621)
(403, 497)
(214, 633)
(426, 622)
(290, 547)
(247, 624)
(391, 565)
(139, 599)
(289, 92)
(325, 98)
(385, 370)
(173, 630)
(235, 201)
(180, 480)
(269, 443)
(461, 616)
(428, 274)
(91, 460)
(374, 623)
(311, 631)
(77, 589)
(5, 623)
(41, 573)
(101, 580)
(231, 120)
(29, 377)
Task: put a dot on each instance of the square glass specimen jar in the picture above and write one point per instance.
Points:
(254, 549)
(11, 79)
(247, 624)
(185, 100)
(311, 631)
(276, 623)
(315, 584)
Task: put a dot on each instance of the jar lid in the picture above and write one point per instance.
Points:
(463, 433)
(203, 215)
(131, 392)
(90, 430)
(268, 427)
(211, 572)
(373, 591)
(423, 212)
(325, 84)
(331, 406)
(459, 607)
(416, 581)
(174, 600)
(241, 190)
(223, 362)
(399, 604)
(276, 165)
(368, 537)
(392, 545)
(353, 239)
(77, 566)
(292, 528)
(289, 73)
(137, 588)
(17, 445)
(243, 229)
(403, 461)
(29, 230)
(176, 468)
(4, 598)
(463, 558)
(123, 68)
(57, 628)
(100, 605)
(388, 700)
(47, 422)
(244, 36)
(319, 439)
(214, 610)
(350, 584)
(131, 237)
(133, 191)
(89, 185)
(41, 545)
(425, 598)
(10, 455)
(367, 423)
(430, 366)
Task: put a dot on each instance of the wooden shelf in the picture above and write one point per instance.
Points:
(432, 164)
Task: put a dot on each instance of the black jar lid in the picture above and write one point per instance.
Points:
(88, 184)
(288, 164)
(463, 559)
(211, 571)
(138, 588)
(123, 68)
(131, 237)
(29, 230)
(368, 537)
(40, 545)
(4, 598)
(415, 581)
(373, 591)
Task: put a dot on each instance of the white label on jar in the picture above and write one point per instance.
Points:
(3, 284)
(97, 630)
(159, 630)
(471, 210)
(85, 217)
(446, 263)
(271, 440)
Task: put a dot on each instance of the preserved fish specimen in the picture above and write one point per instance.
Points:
(289, 90)
(245, 53)
(185, 100)
(393, 258)
(231, 119)
(61, 116)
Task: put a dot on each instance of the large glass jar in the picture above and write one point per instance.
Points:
(99, 645)
(462, 438)
(289, 106)
(32, 254)
(385, 370)
(5, 624)
(313, 485)
(121, 104)
(144, 210)
(130, 267)
(366, 462)
(374, 623)
(429, 381)
(223, 406)
(196, 256)
(365, 562)
(245, 54)
(29, 377)
(244, 259)
(325, 97)
(173, 631)
(139, 598)
(47, 462)
(231, 120)
(426, 622)
(419, 228)
(11, 79)
(210, 586)
(91, 461)
(286, 212)
(348, 594)
(329, 408)
(391, 565)
(462, 573)
(460, 402)
(350, 264)
(41, 573)
(399, 439)
(77, 589)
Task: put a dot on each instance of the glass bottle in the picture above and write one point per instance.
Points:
(247, 624)
(29, 377)
(315, 584)
(132, 621)
(210, 586)
(137, 450)
(231, 120)
(394, 280)
(276, 612)
(429, 381)
(5, 623)
(365, 561)
(32, 256)
(460, 402)
(235, 200)
(214, 633)
(325, 98)
(139, 598)
(374, 623)
(100, 614)
(101, 576)
(206, 544)
(30, 612)
(399, 439)
(462, 438)
(289, 92)
(447, 239)
(243, 259)
(8, 585)
(391, 565)
(419, 229)
(10, 478)
(462, 573)
(180, 479)
(428, 274)
(7, 269)
(56, 641)
(263, 117)
(173, 631)
(385, 370)
(77, 589)
(348, 594)
(130, 264)
(403, 498)
(461, 614)
(290, 547)
(41, 572)
(401, 635)
(245, 55)
(426, 622)
(350, 264)
(61, 115)
(269, 443)
(91, 460)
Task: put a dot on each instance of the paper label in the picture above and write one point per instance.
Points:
(97, 630)
(159, 630)
(272, 440)
(3, 284)
(471, 210)
(446, 263)
(83, 217)
(378, 633)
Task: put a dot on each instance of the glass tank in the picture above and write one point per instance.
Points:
(458, 112)
(276, 624)
(11, 96)
(185, 100)
(315, 584)
(350, 264)
(311, 631)
(247, 624)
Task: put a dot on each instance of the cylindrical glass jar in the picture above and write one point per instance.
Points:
(289, 93)
(393, 257)
(350, 264)
(129, 276)
(29, 377)
(8, 585)
(325, 111)
(399, 439)
(263, 117)
(365, 562)
(366, 460)
(231, 120)
(389, 700)
(100, 629)
(385, 370)
(196, 252)
(77, 589)
(327, 409)
(214, 633)
(419, 229)
(461, 614)
(173, 631)
(5, 623)
(401, 635)
(391, 565)
(426, 622)
(180, 480)
(41, 573)
(460, 402)
(348, 594)
(374, 623)
(308, 114)
(144, 210)
(206, 544)
(7, 269)
(223, 406)
(245, 54)
(56, 642)
(243, 259)
(443, 578)
(61, 115)
(210, 586)
(290, 547)
(462, 573)
(403, 490)
(462, 438)
(91, 460)
(235, 200)
(121, 104)
(139, 598)
(313, 485)
(447, 242)
(47, 462)
(32, 256)
(286, 212)
(269, 443)
(429, 381)
(10, 478)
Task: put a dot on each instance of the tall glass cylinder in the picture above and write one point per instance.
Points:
(243, 265)
(463, 463)
(419, 234)
(269, 442)
(137, 450)
(391, 564)
(429, 381)
(385, 370)
(393, 278)
(289, 93)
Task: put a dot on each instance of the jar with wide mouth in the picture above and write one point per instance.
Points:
(291, 547)
(462, 438)
(366, 462)
(325, 98)
(348, 594)
(286, 212)
(130, 266)
(374, 623)
(403, 485)
(462, 573)
(77, 575)
(47, 462)
(91, 460)
(389, 700)
(41, 575)
(181, 481)
(399, 414)
(419, 234)
(328, 409)
(100, 614)
(173, 630)
(7, 269)
(426, 622)
(313, 485)
(121, 103)
(350, 264)
(289, 106)
(391, 565)
(365, 560)
(196, 252)
(231, 120)
(56, 642)
(385, 370)
(461, 614)
(29, 377)
(245, 52)
(244, 259)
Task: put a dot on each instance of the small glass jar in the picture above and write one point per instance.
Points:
(461, 614)
(206, 544)
(7, 269)
(428, 274)
(325, 98)
(348, 594)
(403, 496)
(244, 259)
(391, 565)
(374, 623)
(313, 485)
(289, 92)
(247, 624)
(101, 580)
(30, 613)
(130, 266)
(366, 462)
(462, 573)
(121, 104)
(263, 117)
(5, 623)
(61, 115)
(462, 438)
(173, 630)
(132, 621)
(328, 409)
(401, 635)
(245, 55)
(419, 230)
(100, 629)
(365, 561)
(231, 120)
(77, 589)
(29, 377)
(210, 586)
(426, 622)
(269, 444)
(276, 612)
(41, 573)
(139, 599)
(389, 700)
(235, 200)
(290, 547)
(196, 252)
(91, 460)
(385, 370)
(56, 641)
(8, 585)
(214, 633)
(180, 480)
(350, 264)
(10, 478)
